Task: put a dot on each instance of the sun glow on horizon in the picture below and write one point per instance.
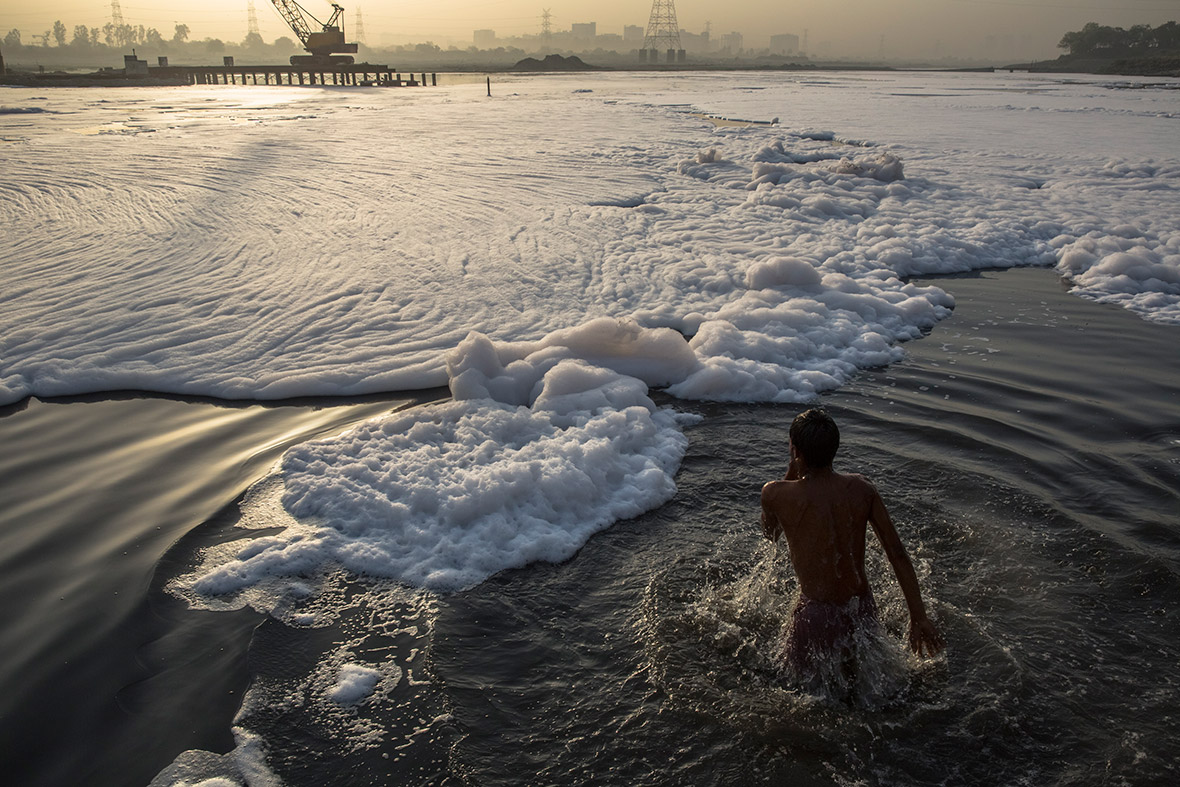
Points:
(903, 27)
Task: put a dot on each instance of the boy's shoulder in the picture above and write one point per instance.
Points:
(779, 484)
(858, 483)
(780, 489)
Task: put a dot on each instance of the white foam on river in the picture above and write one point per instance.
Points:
(267, 243)
(444, 496)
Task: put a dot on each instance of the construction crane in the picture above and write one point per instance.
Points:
(323, 44)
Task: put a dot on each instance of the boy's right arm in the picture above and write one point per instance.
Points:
(771, 528)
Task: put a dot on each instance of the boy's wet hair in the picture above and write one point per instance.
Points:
(816, 437)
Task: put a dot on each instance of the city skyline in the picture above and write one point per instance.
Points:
(849, 28)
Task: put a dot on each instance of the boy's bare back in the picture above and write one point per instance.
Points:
(824, 517)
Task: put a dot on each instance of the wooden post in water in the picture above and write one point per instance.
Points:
(489, 87)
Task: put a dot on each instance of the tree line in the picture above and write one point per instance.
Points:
(1095, 40)
(110, 34)
(61, 42)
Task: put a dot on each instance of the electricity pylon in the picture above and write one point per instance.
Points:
(663, 33)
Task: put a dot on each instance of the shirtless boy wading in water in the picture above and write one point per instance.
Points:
(823, 515)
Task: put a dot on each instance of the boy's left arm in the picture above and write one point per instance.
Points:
(925, 639)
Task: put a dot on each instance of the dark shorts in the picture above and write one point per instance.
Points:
(822, 632)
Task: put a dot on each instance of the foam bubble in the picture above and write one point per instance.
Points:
(244, 765)
(1137, 272)
(444, 496)
(354, 684)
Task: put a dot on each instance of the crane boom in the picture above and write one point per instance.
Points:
(292, 14)
(322, 43)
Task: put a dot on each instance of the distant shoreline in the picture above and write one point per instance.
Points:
(20, 78)
(1165, 66)
(1158, 66)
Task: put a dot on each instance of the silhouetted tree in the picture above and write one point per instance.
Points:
(13, 38)
(1167, 36)
(181, 34)
(81, 37)
(1099, 40)
(59, 33)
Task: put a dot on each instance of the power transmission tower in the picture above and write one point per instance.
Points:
(251, 20)
(663, 33)
(360, 26)
(546, 26)
(120, 30)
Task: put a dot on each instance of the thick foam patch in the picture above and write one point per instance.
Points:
(441, 497)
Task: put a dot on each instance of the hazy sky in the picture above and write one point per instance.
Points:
(891, 27)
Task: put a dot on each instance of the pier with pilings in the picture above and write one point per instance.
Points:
(354, 74)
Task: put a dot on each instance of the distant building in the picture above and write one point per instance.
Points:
(134, 67)
(695, 42)
(609, 41)
(731, 43)
(484, 39)
(584, 31)
(784, 44)
(633, 35)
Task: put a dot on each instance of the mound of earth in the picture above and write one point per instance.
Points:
(554, 63)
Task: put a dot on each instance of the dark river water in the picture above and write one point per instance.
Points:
(1028, 449)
